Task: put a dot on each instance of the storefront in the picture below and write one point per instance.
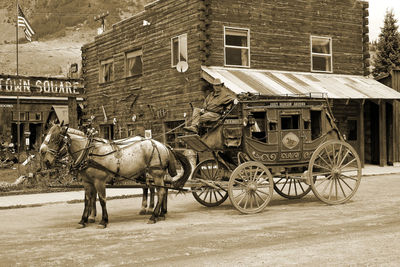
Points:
(31, 103)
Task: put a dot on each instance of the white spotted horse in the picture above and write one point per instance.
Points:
(97, 161)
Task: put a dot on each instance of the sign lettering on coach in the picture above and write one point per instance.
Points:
(12, 85)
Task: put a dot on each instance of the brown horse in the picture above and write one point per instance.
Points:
(98, 160)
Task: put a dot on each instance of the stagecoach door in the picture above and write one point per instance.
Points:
(291, 137)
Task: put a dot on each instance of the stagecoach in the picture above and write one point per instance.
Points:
(290, 145)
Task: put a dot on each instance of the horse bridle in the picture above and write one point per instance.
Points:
(63, 140)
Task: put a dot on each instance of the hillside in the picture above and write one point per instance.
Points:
(61, 26)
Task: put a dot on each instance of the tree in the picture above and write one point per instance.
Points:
(388, 47)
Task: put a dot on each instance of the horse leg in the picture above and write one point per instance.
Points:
(93, 211)
(164, 206)
(144, 201)
(88, 193)
(160, 197)
(152, 195)
(101, 191)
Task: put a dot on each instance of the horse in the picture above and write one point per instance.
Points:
(97, 160)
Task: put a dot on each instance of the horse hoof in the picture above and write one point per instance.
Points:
(151, 222)
(102, 226)
(142, 212)
(81, 226)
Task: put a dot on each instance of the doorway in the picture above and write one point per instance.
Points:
(371, 130)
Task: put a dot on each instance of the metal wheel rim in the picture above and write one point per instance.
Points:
(250, 187)
(209, 170)
(335, 172)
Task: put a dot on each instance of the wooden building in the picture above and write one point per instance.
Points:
(393, 80)
(32, 102)
(146, 71)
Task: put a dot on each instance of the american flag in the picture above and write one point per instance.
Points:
(23, 22)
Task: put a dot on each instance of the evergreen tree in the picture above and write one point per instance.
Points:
(388, 47)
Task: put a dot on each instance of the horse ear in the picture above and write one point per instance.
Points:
(62, 123)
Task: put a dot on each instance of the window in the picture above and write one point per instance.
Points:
(321, 54)
(316, 129)
(133, 63)
(106, 71)
(290, 122)
(35, 116)
(22, 116)
(237, 47)
(107, 131)
(172, 132)
(179, 49)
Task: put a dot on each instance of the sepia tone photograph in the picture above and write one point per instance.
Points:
(199, 132)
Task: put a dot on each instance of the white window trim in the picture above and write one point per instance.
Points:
(131, 54)
(319, 54)
(179, 48)
(104, 62)
(232, 46)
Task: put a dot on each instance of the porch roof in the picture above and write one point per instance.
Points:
(285, 83)
(62, 113)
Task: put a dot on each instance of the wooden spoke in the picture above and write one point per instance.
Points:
(211, 171)
(256, 187)
(333, 189)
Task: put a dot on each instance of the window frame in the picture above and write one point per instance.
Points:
(237, 47)
(330, 55)
(101, 74)
(179, 48)
(133, 54)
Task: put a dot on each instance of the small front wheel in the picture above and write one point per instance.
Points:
(250, 187)
(211, 171)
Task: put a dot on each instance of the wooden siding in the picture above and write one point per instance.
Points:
(160, 85)
(279, 36)
(280, 32)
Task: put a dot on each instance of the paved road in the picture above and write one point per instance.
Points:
(363, 232)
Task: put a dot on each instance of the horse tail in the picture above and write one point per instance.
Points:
(187, 169)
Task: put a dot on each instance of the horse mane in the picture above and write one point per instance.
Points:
(76, 132)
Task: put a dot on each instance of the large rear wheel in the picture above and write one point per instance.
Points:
(250, 187)
(335, 172)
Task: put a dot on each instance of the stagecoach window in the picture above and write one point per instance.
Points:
(133, 63)
(237, 47)
(316, 129)
(321, 54)
(289, 122)
(106, 71)
(179, 49)
(258, 129)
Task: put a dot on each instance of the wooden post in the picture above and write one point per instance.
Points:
(72, 112)
(382, 134)
(361, 134)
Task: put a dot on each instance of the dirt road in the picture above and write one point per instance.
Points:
(365, 231)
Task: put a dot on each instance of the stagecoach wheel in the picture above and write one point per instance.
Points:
(291, 188)
(334, 172)
(210, 170)
(250, 187)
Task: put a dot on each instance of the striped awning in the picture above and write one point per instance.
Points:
(284, 83)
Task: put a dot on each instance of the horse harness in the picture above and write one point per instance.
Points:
(85, 159)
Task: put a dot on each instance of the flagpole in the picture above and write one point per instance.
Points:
(18, 113)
